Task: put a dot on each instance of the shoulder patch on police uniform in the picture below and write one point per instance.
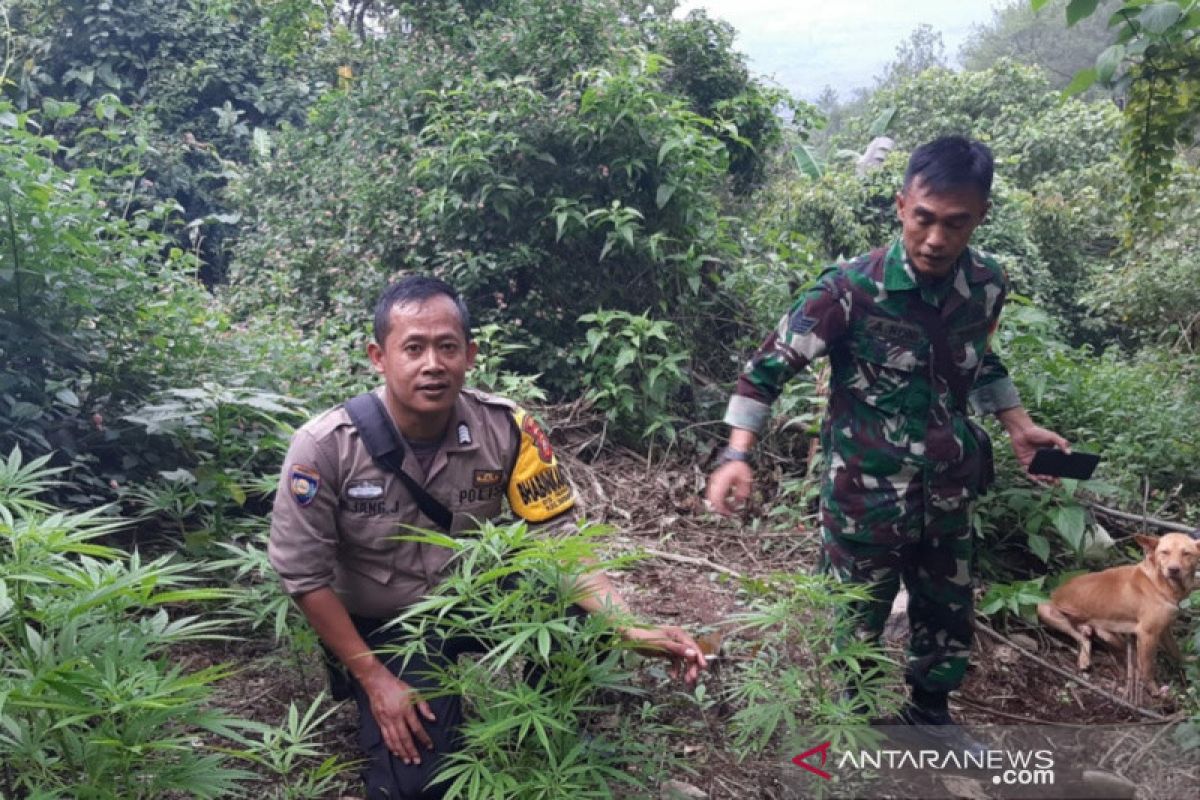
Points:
(540, 440)
(537, 489)
(304, 481)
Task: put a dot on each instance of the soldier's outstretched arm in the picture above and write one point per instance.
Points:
(818, 319)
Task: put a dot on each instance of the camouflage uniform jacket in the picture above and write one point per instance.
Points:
(889, 412)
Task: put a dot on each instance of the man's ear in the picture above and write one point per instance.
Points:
(900, 204)
(375, 353)
(472, 351)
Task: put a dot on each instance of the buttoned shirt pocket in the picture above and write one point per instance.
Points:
(890, 374)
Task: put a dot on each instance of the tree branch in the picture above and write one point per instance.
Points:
(1069, 676)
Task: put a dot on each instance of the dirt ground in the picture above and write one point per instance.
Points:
(688, 580)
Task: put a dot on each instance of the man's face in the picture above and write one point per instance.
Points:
(936, 227)
(423, 361)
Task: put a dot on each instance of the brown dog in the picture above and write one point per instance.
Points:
(1138, 600)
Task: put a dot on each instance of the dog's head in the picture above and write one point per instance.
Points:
(1173, 557)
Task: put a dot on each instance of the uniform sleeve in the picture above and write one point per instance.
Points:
(993, 390)
(818, 319)
(303, 543)
(537, 489)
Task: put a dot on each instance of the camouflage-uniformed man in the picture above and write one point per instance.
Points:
(337, 512)
(902, 463)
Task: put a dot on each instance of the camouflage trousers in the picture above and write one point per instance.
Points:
(914, 526)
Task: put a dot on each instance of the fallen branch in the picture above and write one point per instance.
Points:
(1075, 678)
(695, 561)
(1145, 520)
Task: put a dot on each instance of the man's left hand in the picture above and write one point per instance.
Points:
(668, 641)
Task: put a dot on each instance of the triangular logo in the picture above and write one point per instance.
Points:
(802, 759)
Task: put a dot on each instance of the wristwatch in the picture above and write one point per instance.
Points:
(733, 454)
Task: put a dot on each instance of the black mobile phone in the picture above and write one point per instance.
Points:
(1057, 464)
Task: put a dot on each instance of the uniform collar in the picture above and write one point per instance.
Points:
(899, 275)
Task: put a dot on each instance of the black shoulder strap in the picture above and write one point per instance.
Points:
(387, 450)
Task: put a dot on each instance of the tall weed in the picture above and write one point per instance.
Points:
(90, 704)
(533, 734)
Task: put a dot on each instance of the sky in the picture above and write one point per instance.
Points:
(805, 45)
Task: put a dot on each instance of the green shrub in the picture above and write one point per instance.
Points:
(1141, 412)
(794, 670)
(227, 436)
(96, 309)
(541, 186)
(545, 740)
(91, 706)
(633, 372)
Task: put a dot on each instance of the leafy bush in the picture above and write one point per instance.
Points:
(540, 186)
(90, 704)
(228, 436)
(541, 737)
(201, 83)
(1153, 291)
(796, 668)
(1140, 412)
(95, 308)
(633, 372)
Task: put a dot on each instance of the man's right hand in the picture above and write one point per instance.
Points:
(732, 477)
(395, 704)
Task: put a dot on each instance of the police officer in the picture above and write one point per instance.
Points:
(337, 512)
(907, 330)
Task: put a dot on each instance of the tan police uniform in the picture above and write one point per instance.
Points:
(337, 512)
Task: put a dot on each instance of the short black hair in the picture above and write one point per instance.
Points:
(952, 162)
(415, 289)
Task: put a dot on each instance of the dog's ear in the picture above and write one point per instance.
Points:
(1149, 543)
(1195, 534)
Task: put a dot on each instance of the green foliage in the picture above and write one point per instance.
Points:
(1012, 108)
(704, 67)
(559, 169)
(200, 84)
(1019, 598)
(1153, 292)
(95, 307)
(292, 753)
(1154, 59)
(490, 372)
(633, 372)
(261, 601)
(536, 738)
(90, 705)
(230, 434)
(1140, 412)
(794, 670)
